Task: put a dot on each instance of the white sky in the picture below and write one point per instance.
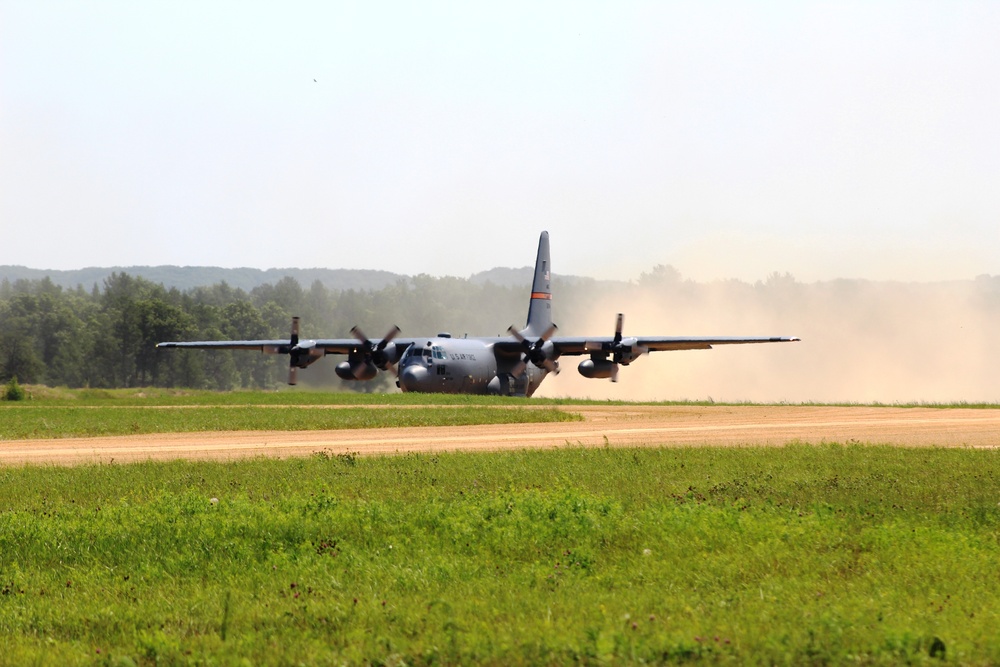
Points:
(729, 139)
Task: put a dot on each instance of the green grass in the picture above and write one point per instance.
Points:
(794, 555)
(151, 396)
(36, 422)
(63, 413)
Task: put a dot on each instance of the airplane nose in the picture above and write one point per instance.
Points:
(412, 378)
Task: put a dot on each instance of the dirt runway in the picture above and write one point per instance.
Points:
(611, 425)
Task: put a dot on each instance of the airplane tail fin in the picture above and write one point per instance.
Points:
(540, 306)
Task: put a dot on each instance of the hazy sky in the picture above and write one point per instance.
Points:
(729, 139)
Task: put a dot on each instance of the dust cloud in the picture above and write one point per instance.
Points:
(862, 341)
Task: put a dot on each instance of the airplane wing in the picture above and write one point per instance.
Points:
(303, 348)
(328, 345)
(258, 345)
(591, 344)
(607, 353)
(365, 356)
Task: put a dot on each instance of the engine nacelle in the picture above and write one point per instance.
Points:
(359, 371)
(303, 353)
(597, 368)
(302, 356)
(629, 350)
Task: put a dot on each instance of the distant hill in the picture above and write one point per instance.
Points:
(507, 277)
(503, 276)
(188, 277)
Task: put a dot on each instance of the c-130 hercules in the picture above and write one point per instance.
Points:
(513, 366)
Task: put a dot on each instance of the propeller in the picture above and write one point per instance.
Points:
(293, 344)
(534, 352)
(621, 353)
(300, 354)
(375, 352)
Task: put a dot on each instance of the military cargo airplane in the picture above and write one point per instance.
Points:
(513, 366)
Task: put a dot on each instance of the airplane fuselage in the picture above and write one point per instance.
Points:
(463, 366)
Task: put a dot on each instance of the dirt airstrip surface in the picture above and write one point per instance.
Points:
(611, 425)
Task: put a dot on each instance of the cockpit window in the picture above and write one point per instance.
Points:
(438, 352)
(414, 352)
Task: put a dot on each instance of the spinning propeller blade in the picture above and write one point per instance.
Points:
(293, 344)
(534, 352)
(375, 352)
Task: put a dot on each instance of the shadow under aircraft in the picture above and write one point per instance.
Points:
(510, 366)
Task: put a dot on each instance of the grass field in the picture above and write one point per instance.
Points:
(795, 555)
(88, 413)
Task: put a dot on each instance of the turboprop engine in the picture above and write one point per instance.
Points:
(364, 362)
(622, 351)
(539, 353)
(628, 350)
(300, 353)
